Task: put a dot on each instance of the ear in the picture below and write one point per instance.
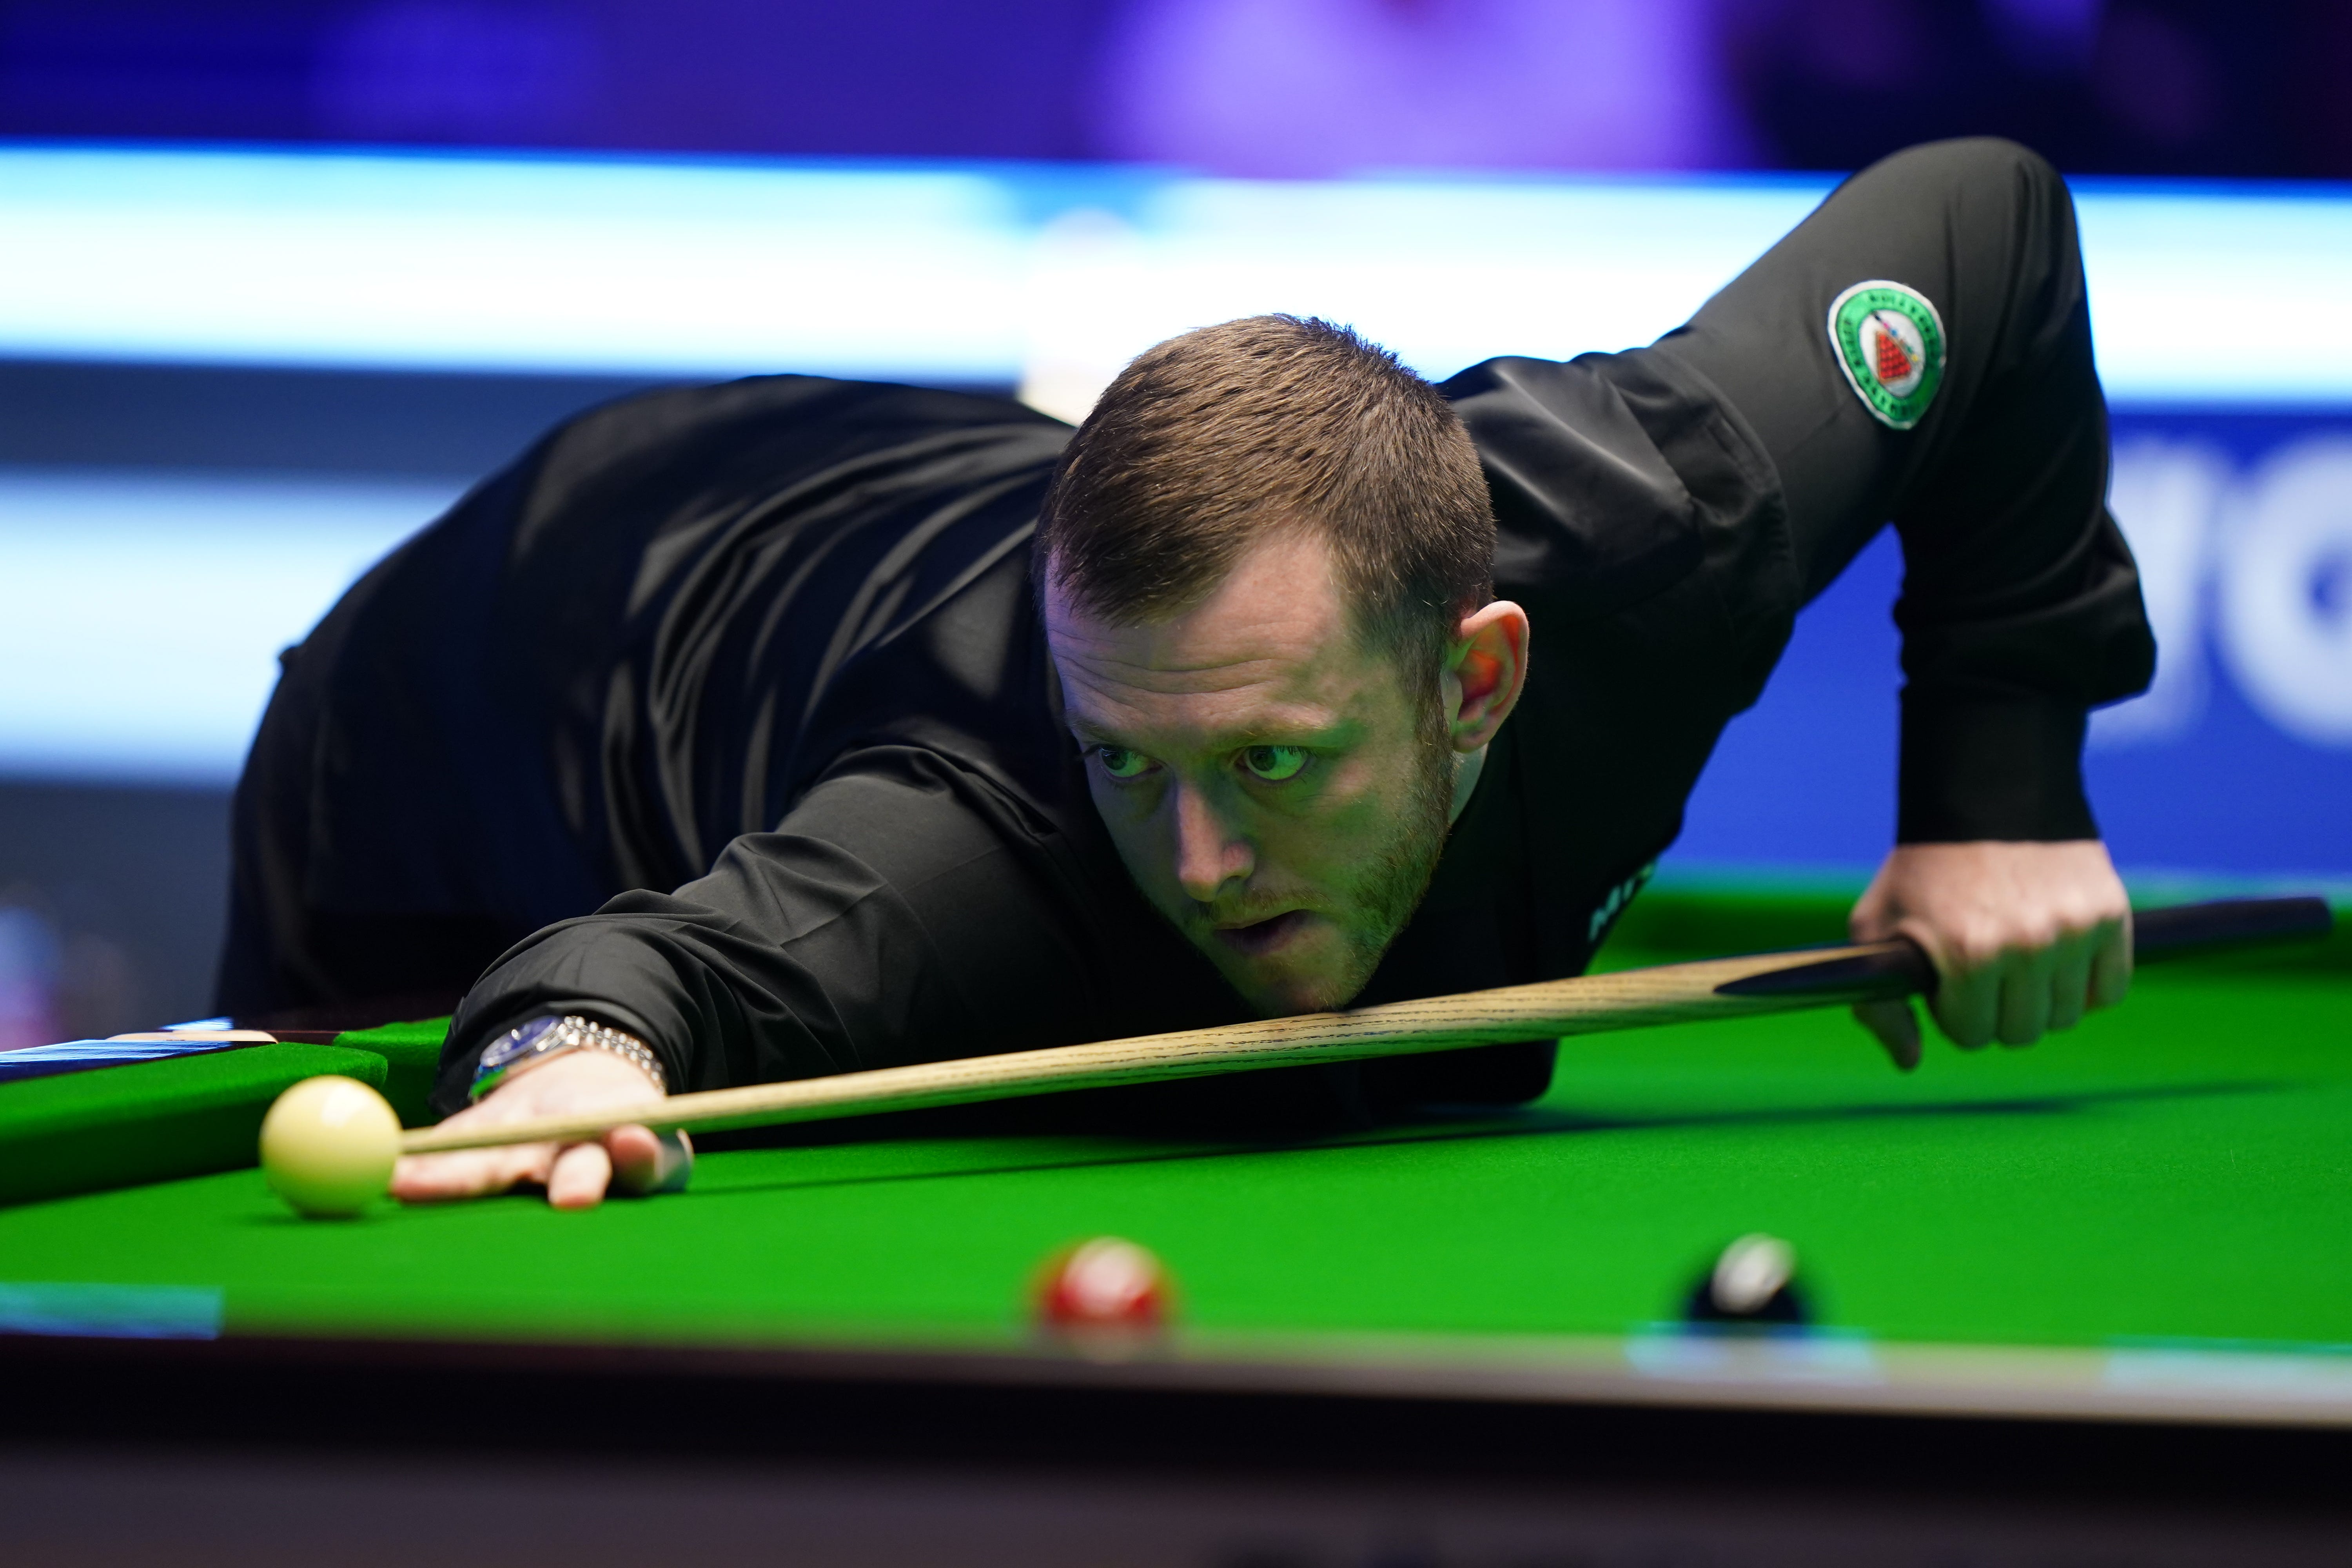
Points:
(1486, 670)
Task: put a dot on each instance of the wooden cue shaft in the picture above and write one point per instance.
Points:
(1588, 1005)
(1627, 999)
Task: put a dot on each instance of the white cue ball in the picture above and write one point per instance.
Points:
(328, 1145)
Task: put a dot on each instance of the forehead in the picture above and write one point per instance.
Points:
(1273, 642)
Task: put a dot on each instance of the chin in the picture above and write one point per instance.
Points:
(1318, 969)
(1291, 991)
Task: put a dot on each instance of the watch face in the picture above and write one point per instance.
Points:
(516, 1045)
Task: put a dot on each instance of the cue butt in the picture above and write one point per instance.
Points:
(1886, 971)
(2186, 928)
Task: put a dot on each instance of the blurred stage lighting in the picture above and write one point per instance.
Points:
(140, 610)
(141, 615)
(1044, 276)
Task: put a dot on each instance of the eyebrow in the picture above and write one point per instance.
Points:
(1334, 734)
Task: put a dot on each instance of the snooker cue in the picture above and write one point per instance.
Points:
(1592, 1003)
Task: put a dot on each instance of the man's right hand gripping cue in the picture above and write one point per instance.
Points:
(2024, 937)
(630, 1158)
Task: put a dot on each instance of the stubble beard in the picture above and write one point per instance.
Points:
(1401, 872)
(1377, 907)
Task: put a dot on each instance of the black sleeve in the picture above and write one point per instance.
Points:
(902, 912)
(2020, 607)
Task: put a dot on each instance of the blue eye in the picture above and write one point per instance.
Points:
(1120, 763)
(1274, 763)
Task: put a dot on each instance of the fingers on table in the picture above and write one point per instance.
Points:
(581, 1173)
(644, 1162)
(470, 1172)
(576, 1176)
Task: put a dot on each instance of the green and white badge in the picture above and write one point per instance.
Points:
(1890, 343)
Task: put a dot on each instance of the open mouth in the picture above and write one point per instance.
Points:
(1266, 936)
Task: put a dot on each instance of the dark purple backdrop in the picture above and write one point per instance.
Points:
(1307, 86)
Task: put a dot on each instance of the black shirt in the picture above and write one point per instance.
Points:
(770, 645)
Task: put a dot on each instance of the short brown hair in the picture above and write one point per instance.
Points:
(1210, 440)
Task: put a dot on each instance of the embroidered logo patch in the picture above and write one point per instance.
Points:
(1614, 904)
(1890, 343)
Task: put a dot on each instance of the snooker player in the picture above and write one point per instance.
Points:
(793, 727)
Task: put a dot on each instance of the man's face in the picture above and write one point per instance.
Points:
(1270, 785)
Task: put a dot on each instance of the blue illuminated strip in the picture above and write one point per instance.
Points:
(111, 1312)
(82, 1055)
(1011, 273)
(142, 613)
(2212, 297)
(2296, 1373)
(505, 264)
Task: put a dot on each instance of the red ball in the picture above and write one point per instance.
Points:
(1106, 1283)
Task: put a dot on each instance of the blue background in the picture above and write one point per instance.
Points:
(1806, 778)
(269, 482)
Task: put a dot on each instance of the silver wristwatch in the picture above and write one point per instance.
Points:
(543, 1039)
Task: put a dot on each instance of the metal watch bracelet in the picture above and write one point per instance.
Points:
(542, 1039)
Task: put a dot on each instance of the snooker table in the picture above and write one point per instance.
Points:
(2090, 1301)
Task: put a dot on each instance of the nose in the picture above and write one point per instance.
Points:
(1208, 854)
